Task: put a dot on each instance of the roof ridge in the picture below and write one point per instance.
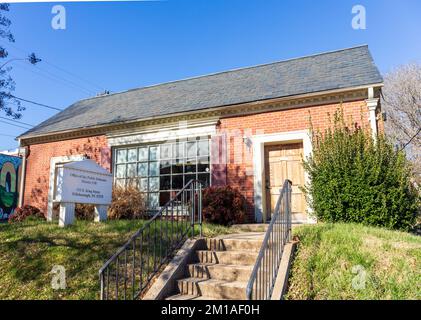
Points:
(225, 71)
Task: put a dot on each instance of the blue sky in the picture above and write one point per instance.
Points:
(124, 45)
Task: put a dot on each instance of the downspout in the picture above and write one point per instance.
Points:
(24, 152)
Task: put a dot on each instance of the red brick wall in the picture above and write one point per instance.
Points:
(273, 122)
(238, 173)
(38, 164)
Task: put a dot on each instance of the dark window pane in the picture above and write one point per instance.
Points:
(165, 167)
(203, 148)
(177, 166)
(165, 151)
(190, 166)
(189, 177)
(165, 183)
(204, 178)
(164, 197)
(191, 149)
(177, 181)
(203, 165)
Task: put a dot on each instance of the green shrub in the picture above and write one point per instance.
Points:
(356, 179)
(223, 205)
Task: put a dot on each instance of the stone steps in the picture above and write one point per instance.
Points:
(222, 270)
(226, 257)
(228, 272)
(213, 288)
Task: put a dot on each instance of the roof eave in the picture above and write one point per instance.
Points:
(21, 138)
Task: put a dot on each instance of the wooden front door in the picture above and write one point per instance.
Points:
(284, 161)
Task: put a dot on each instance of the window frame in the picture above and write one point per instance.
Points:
(172, 159)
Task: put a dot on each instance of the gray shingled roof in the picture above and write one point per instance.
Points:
(327, 71)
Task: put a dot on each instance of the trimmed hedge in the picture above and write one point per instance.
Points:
(356, 179)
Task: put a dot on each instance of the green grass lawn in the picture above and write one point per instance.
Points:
(333, 260)
(29, 250)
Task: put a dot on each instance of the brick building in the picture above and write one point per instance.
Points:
(247, 128)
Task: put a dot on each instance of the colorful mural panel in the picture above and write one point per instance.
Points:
(10, 167)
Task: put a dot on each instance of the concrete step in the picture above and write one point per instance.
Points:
(237, 257)
(188, 297)
(224, 244)
(213, 288)
(227, 272)
(252, 227)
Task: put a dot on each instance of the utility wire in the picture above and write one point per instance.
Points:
(410, 140)
(36, 103)
(54, 78)
(97, 86)
(7, 135)
(14, 120)
(12, 124)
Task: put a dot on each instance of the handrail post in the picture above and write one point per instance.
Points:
(149, 230)
(193, 200)
(200, 213)
(101, 277)
(289, 211)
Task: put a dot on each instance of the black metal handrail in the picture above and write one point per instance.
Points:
(262, 279)
(127, 274)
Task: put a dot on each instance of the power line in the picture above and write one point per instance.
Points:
(36, 103)
(12, 124)
(21, 122)
(75, 75)
(59, 68)
(54, 78)
(410, 140)
(7, 135)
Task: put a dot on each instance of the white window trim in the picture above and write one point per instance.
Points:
(162, 135)
(259, 142)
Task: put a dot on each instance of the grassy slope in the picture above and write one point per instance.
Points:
(29, 250)
(327, 253)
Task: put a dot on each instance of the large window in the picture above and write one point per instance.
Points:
(161, 170)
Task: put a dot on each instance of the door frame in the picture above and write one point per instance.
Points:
(259, 142)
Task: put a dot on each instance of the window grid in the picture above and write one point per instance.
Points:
(161, 170)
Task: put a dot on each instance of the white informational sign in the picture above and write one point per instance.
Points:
(82, 182)
(78, 183)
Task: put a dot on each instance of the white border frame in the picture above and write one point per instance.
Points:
(53, 162)
(259, 142)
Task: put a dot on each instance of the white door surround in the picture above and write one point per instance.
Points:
(259, 142)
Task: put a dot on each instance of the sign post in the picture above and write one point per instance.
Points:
(82, 182)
